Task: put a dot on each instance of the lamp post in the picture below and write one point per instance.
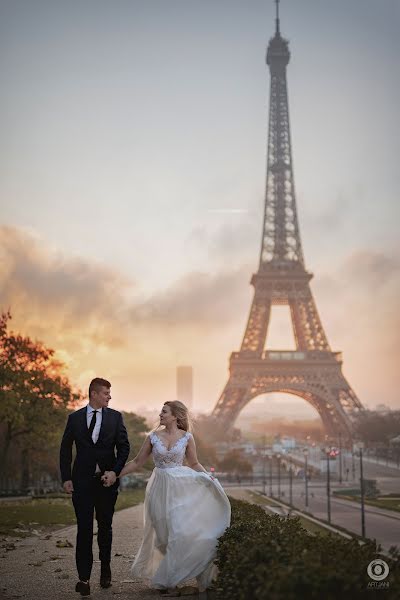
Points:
(290, 481)
(314, 451)
(271, 492)
(278, 456)
(305, 452)
(264, 459)
(340, 459)
(328, 482)
(360, 446)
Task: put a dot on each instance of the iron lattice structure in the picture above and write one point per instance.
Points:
(312, 371)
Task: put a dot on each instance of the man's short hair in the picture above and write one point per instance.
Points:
(98, 383)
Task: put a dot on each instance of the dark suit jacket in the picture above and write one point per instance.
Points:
(112, 436)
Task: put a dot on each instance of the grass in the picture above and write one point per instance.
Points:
(389, 503)
(129, 498)
(22, 518)
(315, 528)
(258, 499)
(308, 525)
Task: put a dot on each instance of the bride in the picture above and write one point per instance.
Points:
(185, 510)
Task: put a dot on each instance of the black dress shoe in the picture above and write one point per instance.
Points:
(83, 588)
(105, 576)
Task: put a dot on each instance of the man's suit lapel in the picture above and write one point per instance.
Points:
(104, 421)
(84, 427)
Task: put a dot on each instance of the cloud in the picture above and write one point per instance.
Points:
(358, 304)
(367, 285)
(73, 292)
(367, 268)
(46, 290)
(198, 298)
(100, 323)
(229, 241)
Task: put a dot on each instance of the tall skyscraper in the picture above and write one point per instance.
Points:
(184, 385)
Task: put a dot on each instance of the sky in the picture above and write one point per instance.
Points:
(132, 175)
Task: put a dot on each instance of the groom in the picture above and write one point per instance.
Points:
(97, 431)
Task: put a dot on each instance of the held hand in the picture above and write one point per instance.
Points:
(109, 478)
(68, 486)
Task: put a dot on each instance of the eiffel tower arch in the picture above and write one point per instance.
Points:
(312, 371)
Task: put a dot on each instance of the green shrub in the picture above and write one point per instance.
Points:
(269, 557)
(347, 492)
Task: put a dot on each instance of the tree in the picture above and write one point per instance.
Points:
(234, 462)
(35, 397)
(205, 451)
(136, 427)
(377, 428)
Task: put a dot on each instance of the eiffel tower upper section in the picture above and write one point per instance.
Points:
(282, 277)
(281, 244)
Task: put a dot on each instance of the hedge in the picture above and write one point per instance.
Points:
(269, 557)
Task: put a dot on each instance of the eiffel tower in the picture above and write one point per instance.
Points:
(312, 371)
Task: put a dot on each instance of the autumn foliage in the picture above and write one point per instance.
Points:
(35, 397)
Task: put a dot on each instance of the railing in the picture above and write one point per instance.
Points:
(283, 355)
(296, 355)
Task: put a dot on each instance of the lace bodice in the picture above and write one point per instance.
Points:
(165, 459)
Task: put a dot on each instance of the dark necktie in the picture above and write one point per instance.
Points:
(92, 423)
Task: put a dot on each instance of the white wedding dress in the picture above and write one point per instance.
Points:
(185, 511)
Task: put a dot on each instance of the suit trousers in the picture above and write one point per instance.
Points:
(89, 498)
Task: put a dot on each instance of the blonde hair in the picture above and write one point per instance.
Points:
(184, 420)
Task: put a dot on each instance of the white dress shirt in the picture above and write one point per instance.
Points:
(89, 415)
(95, 435)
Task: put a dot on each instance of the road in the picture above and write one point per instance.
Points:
(382, 525)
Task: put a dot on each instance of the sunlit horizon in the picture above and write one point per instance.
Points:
(132, 186)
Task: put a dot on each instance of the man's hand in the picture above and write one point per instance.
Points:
(109, 478)
(68, 486)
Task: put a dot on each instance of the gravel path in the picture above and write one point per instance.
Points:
(36, 568)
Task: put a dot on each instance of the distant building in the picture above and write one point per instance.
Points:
(288, 443)
(283, 444)
(184, 385)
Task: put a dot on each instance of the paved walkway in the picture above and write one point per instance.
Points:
(34, 567)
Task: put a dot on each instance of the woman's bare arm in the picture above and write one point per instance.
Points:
(139, 460)
(191, 456)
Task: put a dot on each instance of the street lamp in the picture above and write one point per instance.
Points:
(328, 482)
(271, 492)
(305, 452)
(278, 456)
(340, 459)
(264, 459)
(359, 446)
(290, 481)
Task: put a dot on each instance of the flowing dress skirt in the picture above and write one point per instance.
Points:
(185, 512)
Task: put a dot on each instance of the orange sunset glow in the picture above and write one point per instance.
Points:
(133, 191)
